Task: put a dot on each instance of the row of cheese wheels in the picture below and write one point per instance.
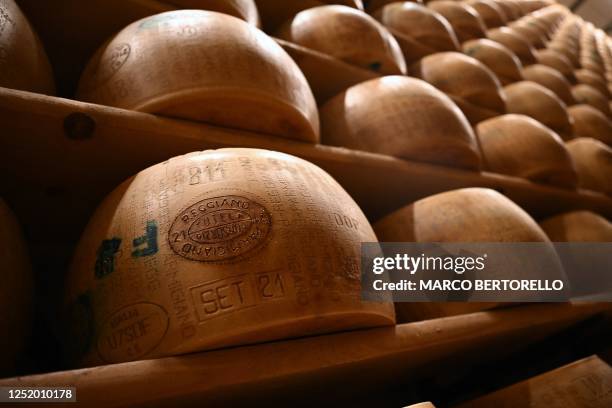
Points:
(234, 246)
(169, 64)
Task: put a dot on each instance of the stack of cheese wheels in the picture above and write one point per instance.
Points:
(497, 57)
(243, 9)
(597, 81)
(593, 160)
(203, 66)
(16, 291)
(402, 117)
(465, 21)
(589, 122)
(466, 215)
(531, 99)
(491, 13)
(472, 85)
(219, 248)
(520, 146)
(551, 79)
(578, 226)
(588, 95)
(347, 34)
(419, 30)
(23, 62)
(514, 42)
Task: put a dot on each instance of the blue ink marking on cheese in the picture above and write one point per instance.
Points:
(150, 238)
(105, 259)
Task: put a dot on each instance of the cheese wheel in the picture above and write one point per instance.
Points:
(514, 42)
(551, 79)
(578, 226)
(520, 146)
(419, 31)
(497, 57)
(464, 19)
(243, 9)
(402, 117)
(588, 95)
(23, 62)
(214, 249)
(557, 61)
(509, 10)
(531, 99)
(467, 81)
(590, 122)
(347, 34)
(531, 34)
(465, 215)
(597, 81)
(422, 405)
(373, 6)
(491, 13)
(567, 52)
(16, 291)
(593, 160)
(203, 66)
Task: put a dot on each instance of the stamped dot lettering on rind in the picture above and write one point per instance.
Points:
(219, 228)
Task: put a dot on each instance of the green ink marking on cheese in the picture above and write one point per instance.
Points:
(150, 239)
(105, 259)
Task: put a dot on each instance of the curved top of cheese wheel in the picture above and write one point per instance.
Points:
(347, 34)
(520, 146)
(552, 79)
(243, 9)
(358, 4)
(464, 78)
(593, 161)
(510, 11)
(419, 23)
(497, 57)
(591, 122)
(557, 61)
(402, 117)
(596, 80)
(465, 215)
(531, 99)
(204, 66)
(16, 290)
(464, 19)
(221, 248)
(566, 52)
(422, 405)
(578, 226)
(530, 33)
(373, 6)
(515, 42)
(23, 61)
(490, 12)
(591, 96)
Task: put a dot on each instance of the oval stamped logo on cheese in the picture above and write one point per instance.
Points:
(132, 332)
(219, 229)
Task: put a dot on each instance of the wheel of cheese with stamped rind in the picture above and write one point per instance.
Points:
(590, 122)
(588, 77)
(419, 30)
(531, 99)
(551, 79)
(464, 19)
(462, 216)
(214, 249)
(578, 226)
(554, 59)
(402, 117)
(591, 96)
(514, 42)
(474, 88)
(23, 61)
(497, 57)
(490, 12)
(520, 146)
(203, 66)
(593, 160)
(16, 291)
(347, 34)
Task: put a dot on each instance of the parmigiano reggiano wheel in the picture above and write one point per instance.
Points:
(590, 122)
(347, 34)
(521, 146)
(23, 62)
(497, 57)
(578, 226)
(402, 117)
(490, 12)
(16, 291)
(373, 6)
(214, 249)
(593, 160)
(531, 34)
(551, 79)
(464, 19)
(515, 43)
(588, 95)
(203, 66)
(243, 9)
(531, 99)
(557, 61)
(597, 81)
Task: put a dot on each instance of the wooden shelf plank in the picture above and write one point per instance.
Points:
(360, 359)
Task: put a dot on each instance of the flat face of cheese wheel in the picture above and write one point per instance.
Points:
(497, 57)
(578, 226)
(214, 249)
(203, 66)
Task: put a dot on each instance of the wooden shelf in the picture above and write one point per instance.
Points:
(358, 361)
